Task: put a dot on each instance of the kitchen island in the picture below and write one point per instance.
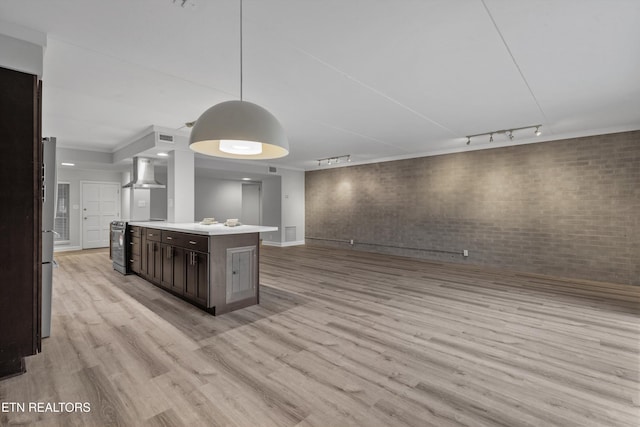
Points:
(214, 267)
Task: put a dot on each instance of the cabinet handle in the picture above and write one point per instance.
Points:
(192, 242)
(149, 235)
(169, 238)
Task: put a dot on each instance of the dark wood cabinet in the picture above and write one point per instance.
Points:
(197, 276)
(156, 276)
(184, 270)
(20, 219)
(144, 262)
(134, 254)
(151, 256)
(173, 264)
(217, 273)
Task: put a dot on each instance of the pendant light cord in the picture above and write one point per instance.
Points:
(240, 50)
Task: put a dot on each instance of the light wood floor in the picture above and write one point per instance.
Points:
(341, 338)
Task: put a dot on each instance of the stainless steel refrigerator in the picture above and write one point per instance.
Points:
(49, 195)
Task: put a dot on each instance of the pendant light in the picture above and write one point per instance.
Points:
(239, 129)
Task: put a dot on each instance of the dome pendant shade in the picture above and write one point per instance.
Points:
(240, 121)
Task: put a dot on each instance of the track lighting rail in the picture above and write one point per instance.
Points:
(508, 132)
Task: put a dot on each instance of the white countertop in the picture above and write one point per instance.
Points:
(197, 228)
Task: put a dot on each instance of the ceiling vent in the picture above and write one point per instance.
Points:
(165, 138)
(273, 169)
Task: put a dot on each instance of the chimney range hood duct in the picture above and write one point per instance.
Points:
(143, 175)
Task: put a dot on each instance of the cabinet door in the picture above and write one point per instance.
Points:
(167, 266)
(157, 262)
(150, 259)
(178, 270)
(241, 274)
(136, 265)
(134, 253)
(151, 263)
(144, 257)
(20, 216)
(197, 277)
(173, 268)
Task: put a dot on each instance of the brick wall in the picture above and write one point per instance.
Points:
(568, 208)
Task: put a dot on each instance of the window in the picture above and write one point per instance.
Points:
(61, 222)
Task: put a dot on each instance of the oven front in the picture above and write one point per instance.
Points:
(118, 246)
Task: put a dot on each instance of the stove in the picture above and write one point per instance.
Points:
(119, 246)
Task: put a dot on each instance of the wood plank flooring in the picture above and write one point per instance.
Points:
(341, 338)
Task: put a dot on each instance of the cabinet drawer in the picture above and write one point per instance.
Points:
(196, 242)
(134, 231)
(134, 263)
(135, 247)
(152, 234)
(174, 238)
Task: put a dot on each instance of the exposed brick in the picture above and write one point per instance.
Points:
(568, 207)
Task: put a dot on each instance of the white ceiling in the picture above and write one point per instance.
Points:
(376, 79)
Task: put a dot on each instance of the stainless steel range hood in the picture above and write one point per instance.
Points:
(143, 175)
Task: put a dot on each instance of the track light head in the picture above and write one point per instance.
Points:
(490, 137)
(468, 140)
(511, 135)
(538, 132)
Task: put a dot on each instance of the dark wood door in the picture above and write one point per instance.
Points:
(197, 277)
(144, 255)
(173, 268)
(167, 266)
(20, 219)
(148, 268)
(134, 249)
(178, 264)
(152, 261)
(157, 263)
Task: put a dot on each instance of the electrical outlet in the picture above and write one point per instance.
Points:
(465, 252)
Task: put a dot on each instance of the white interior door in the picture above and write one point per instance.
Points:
(100, 206)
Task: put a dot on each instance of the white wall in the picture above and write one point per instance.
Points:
(282, 196)
(73, 177)
(22, 49)
(218, 198)
(292, 205)
(140, 204)
(158, 198)
(272, 208)
(181, 185)
(125, 199)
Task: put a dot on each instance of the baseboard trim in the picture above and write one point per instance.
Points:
(283, 244)
(66, 248)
